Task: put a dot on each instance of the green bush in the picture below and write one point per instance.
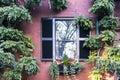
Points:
(31, 3)
(109, 22)
(6, 2)
(29, 64)
(59, 5)
(102, 8)
(93, 42)
(13, 15)
(85, 23)
(107, 36)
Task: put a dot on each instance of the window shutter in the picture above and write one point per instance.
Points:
(47, 45)
(84, 52)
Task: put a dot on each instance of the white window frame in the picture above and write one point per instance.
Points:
(78, 39)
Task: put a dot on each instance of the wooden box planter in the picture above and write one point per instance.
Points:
(61, 69)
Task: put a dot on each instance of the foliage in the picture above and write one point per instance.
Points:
(14, 40)
(6, 59)
(92, 57)
(113, 53)
(12, 74)
(107, 36)
(92, 42)
(30, 3)
(59, 5)
(6, 2)
(95, 74)
(109, 22)
(53, 70)
(29, 64)
(102, 7)
(65, 59)
(13, 15)
(75, 66)
(85, 23)
(106, 65)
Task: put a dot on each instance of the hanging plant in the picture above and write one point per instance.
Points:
(95, 74)
(107, 36)
(85, 23)
(93, 42)
(6, 59)
(29, 64)
(102, 8)
(14, 40)
(31, 3)
(113, 53)
(12, 74)
(59, 5)
(6, 2)
(54, 71)
(92, 57)
(13, 15)
(109, 22)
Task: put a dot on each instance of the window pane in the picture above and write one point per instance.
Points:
(83, 33)
(65, 30)
(47, 50)
(65, 47)
(46, 27)
(65, 38)
(84, 52)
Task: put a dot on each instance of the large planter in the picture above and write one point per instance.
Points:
(61, 69)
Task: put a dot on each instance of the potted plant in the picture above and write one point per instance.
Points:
(6, 2)
(13, 15)
(107, 36)
(65, 68)
(93, 42)
(59, 5)
(32, 3)
(12, 42)
(108, 22)
(85, 23)
(102, 8)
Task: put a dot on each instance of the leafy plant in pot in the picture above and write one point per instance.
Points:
(13, 15)
(59, 5)
(107, 36)
(68, 69)
(102, 8)
(6, 2)
(108, 22)
(85, 23)
(93, 42)
(12, 42)
(32, 3)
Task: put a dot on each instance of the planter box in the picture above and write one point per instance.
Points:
(61, 69)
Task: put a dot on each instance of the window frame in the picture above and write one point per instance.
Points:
(54, 41)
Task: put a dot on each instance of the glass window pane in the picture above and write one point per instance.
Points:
(65, 30)
(84, 52)
(83, 33)
(65, 47)
(47, 50)
(46, 27)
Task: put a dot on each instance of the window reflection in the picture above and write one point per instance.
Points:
(65, 39)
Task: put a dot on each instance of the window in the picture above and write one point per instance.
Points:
(60, 36)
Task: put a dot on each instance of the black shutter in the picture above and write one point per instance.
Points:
(47, 46)
(83, 33)
(84, 52)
